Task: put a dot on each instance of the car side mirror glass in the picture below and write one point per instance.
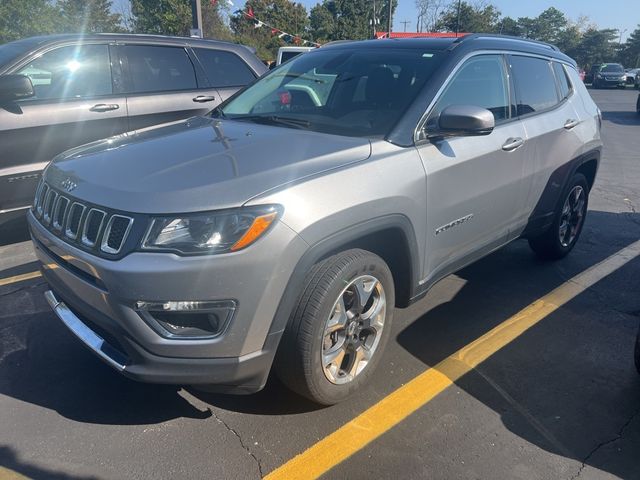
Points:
(15, 87)
(461, 121)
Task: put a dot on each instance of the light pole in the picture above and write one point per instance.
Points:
(458, 20)
(390, 3)
(621, 32)
(196, 19)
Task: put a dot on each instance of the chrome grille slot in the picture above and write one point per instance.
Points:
(92, 226)
(59, 212)
(48, 205)
(73, 220)
(116, 233)
(42, 195)
(37, 196)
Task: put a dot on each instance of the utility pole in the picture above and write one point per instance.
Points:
(373, 22)
(621, 32)
(404, 23)
(196, 19)
(390, 19)
(458, 20)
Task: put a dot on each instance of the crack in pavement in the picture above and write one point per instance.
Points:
(600, 445)
(242, 444)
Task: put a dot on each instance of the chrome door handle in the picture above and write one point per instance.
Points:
(104, 107)
(512, 143)
(204, 98)
(569, 124)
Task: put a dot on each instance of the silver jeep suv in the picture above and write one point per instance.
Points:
(284, 228)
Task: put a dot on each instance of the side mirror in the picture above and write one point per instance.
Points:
(15, 87)
(462, 121)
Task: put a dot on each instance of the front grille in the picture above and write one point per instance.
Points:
(81, 224)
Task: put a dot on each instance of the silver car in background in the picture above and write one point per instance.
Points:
(284, 228)
(61, 91)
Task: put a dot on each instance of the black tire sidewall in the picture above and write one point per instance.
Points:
(321, 388)
(578, 179)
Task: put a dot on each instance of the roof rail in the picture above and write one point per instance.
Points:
(495, 36)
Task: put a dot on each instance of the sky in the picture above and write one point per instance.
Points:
(618, 14)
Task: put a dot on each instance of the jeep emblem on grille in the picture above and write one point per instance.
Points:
(68, 184)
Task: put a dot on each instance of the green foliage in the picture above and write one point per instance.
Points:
(630, 53)
(596, 46)
(26, 18)
(162, 17)
(88, 16)
(284, 15)
(348, 19)
(477, 18)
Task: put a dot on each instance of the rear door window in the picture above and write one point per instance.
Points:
(224, 69)
(481, 82)
(158, 68)
(535, 84)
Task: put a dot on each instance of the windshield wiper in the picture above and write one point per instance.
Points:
(275, 120)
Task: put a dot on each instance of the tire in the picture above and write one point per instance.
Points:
(309, 360)
(570, 214)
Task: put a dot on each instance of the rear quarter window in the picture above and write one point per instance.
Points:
(563, 81)
(535, 84)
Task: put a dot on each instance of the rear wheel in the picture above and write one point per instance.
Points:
(563, 234)
(339, 328)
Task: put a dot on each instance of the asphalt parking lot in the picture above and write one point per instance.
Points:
(549, 391)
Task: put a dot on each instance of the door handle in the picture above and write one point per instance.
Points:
(512, 143)
(569, 124)
(204, 98)
(104, 107)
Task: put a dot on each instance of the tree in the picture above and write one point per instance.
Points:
(428, 14)
(630, 54)
(480, 17)
(90, 16)
(283, 15)
(509, 26)
(162, 17)
(596, 46)
(348, 19)
(546, 27)
(26, 18)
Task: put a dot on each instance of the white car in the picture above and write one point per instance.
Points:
(287, 53)
(632, 76)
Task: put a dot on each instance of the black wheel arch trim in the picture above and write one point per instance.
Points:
(542, 217)
(342, 240)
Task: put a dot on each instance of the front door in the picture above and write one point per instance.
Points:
(74, 103)
(475, 184)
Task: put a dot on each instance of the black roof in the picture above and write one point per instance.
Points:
(464, 44)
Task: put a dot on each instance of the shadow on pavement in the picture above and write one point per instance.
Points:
(567, 385)
(622, 117)
(14, 230)
(10, 460)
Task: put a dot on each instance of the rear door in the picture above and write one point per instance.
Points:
(163, 85)
(225, 70)
(474, 183)
(75, 103)
(544, 104)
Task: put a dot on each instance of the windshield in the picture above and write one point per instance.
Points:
(614, 67)
(359, 92)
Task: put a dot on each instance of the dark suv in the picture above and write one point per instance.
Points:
(62, 91)
(609, 75)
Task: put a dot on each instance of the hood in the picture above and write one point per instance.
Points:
(200, 164)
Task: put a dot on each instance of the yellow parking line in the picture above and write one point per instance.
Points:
(19, 278)
(6, 474)
(391, 410)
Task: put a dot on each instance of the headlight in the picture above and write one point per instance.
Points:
(211, 232)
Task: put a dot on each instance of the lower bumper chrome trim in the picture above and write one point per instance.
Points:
(86, 335)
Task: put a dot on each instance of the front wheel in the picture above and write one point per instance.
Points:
(339, 328)
(563, 234)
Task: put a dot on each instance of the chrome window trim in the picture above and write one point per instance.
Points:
(85, 241)
(58, 226)
(67, 231)
(105, 236)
